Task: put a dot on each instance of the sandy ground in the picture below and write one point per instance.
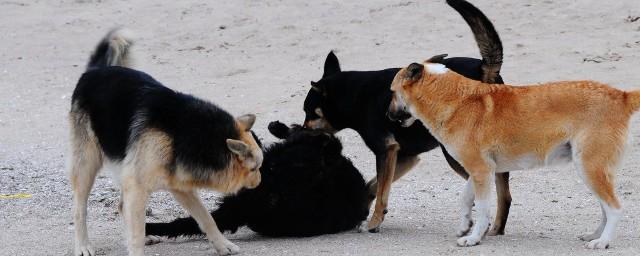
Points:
(257, 56)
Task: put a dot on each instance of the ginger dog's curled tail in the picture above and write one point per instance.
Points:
(113, 50)
(633, 100)
(486, 37)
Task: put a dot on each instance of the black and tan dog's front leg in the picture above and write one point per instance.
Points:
(385, 170)
(404, 164)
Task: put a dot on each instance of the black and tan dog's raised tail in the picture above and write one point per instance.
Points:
(486, 37)
(113, 50)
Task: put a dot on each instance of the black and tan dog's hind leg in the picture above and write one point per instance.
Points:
(504, 204)
(85, 162)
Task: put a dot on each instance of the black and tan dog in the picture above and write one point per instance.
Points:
(308, 188)
(359, 100)
(159, 139)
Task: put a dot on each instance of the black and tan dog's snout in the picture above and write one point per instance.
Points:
(398, 115)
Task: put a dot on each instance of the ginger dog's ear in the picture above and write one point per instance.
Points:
(414, 71)
(247, 121)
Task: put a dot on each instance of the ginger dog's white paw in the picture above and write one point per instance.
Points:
(464, 228)
(226, 247)
(598, 244)
(589, 237)
(84, 250)
(468, 241)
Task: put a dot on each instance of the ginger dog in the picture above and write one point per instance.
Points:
(492, 128)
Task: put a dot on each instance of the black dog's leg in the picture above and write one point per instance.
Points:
(502, 188)
(230, 215)
(178, 227)
(385, 168)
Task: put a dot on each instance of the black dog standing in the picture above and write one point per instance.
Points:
(359, 100)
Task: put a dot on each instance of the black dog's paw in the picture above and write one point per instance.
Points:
(278, 129)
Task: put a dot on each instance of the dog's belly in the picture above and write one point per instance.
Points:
(560, 154)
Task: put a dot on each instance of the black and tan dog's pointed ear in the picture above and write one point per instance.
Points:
(437, 59)
(316, 86)
(414, 71)
(238, 147)
(246, 121)
(331, 65)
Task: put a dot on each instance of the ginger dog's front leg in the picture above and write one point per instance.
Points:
(481, 179)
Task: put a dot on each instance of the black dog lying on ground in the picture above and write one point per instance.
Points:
(360, 99)
(308, 188)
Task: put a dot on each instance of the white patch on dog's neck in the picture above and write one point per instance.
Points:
(436, 68)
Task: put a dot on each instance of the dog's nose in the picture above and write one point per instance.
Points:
(393, 116)
(390, 116)
(398, 115)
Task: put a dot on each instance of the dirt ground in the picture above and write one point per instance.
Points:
(258, 57)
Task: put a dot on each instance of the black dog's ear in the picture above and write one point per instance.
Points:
(414, 71)
(437, 59)
(331, 65)
(316, 86)
(278, 129)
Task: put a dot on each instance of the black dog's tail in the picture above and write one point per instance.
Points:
(113, 50)
(486, 37)
(228, 217)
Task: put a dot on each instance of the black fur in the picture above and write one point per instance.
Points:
(360, 99)
(123, 103)
(308, 188)
(486, 37)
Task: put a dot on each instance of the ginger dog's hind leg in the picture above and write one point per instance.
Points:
(596, 157)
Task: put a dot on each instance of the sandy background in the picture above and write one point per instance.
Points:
(259, 56)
